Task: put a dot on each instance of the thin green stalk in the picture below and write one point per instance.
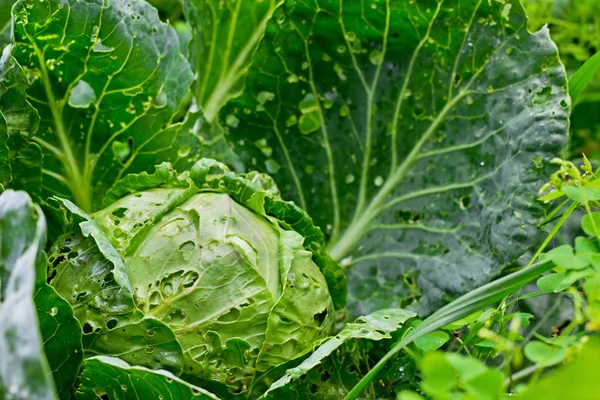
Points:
(517, 376)
(553, 232)
(478, 299)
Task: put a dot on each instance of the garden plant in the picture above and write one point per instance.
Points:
(299, 199)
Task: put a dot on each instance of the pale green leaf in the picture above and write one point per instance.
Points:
(560, 385)
(544, 354)
(591, 223)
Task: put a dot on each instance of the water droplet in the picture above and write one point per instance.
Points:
(264, 97)
(344, 111)
(349, 178)
(53, 311)
(378, 181)
(376, 57)
(232, 121)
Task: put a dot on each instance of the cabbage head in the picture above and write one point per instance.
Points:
(207, 274)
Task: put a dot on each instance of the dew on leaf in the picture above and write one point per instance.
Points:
(122, 150)
(264, 147)
(232, 121)
(344, 111)
(376, 57)
(264, 97)
(53, 311)
(378, 181)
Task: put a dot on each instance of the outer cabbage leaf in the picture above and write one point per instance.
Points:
(340, 372)
(225, 35)
(61, 334)
(106, 78)
(415, 133)
(87, 270)
(5, 6)
(20, 159)
(24, 369)
(107, 377)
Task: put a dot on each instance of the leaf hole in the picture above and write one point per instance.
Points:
(87, 328)
(465, 201)
(111, 323)
(320, 317)
(119, 212)
(418, 111)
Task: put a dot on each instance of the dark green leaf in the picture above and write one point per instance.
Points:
(24, 370)
(106, 377)
(20, 159)
(61, 333)
(109, 76)
(418, 130)
(148, 343)
(225, 35)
